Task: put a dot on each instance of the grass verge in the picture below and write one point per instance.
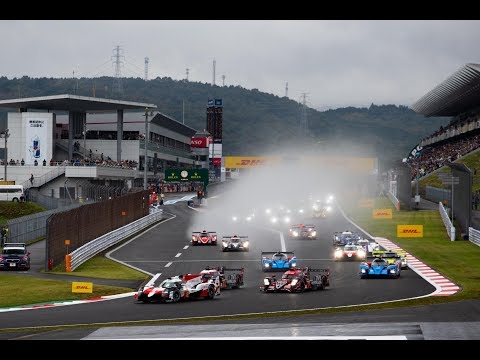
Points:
(457, 260)
(18, 290)
(101, 267)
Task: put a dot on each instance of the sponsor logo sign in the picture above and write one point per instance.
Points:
(365, 203)
(236, 162)
(82, 287)
(409, 230)
(382, 213)
(199, 142)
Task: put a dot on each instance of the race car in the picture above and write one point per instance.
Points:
(235, 243)
(204, 238)
(297, 280)
(379, 267)
(229, 278)
(281, 260)
(350, 252)
(345, 237)
(303, 231)
(320, 210)
(392, 256)
(180, 287)
(368, 245)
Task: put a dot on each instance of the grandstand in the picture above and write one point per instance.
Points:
(457, 97)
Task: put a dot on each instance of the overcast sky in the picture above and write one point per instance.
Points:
(337, 63)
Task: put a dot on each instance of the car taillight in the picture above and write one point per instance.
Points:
(25, 257)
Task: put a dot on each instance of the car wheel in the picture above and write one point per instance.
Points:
(301, 287)
(211, 292)
(175, 296)
(146, 300)
(314, 287)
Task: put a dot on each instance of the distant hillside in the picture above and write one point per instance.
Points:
(254, 121)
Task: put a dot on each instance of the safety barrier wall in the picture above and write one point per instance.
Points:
(446, 221)
(474, 236)
(92, 248)
(394, 200)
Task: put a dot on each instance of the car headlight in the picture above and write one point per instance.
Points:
(224, 243)
(266, 282)
(274, 220)
(338, 253)
(314, 233)
(266, 265)
(245, 244)
(329, 208)
(392, 271)
(249, 218)
(268, 211)
(300, 211)
(295, 233)
(294, 282)
(294, 264)
(234, 218)
(361, 253)
(286, 219)
(315, 207)
(364, 271)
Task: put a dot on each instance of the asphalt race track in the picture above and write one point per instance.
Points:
(166, 249)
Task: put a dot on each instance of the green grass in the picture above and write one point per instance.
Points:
(18, 290)
(11, 210)
(457, 260)
(101, 267)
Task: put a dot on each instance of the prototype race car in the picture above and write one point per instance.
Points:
(281, 260)
(229, 278)
(345, 237)
(181, 287)
(350, 252)
(392, 256)
(15, 256)
(235, 243)
(379, 267)
(303, 231)
(369, 246)
(320, 209)
(204, 238)
(297, 280)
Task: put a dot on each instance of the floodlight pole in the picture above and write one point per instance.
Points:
(6, 135)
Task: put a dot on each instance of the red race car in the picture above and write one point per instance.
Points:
(297, 280)
(204, 238)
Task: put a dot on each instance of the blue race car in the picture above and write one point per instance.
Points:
(379, 267)
(281, 260)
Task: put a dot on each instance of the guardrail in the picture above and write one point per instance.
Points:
(474, 236)
(92, 248)
(394, 200)
(446, 221)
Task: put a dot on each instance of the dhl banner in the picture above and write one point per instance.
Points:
(82, 287)
(365, 203)
(409, 230)
(382, 213)
(236, 162)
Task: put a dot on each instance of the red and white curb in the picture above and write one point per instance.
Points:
(66, 302)
(443, 286)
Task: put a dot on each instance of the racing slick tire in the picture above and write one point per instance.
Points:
(175, 296)
(324, 283)
(301, 287)
(211, 292)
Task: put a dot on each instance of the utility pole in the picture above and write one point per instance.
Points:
(286, 89)
(187, 72)
(5, 134)
(223, 80)
(146, 68)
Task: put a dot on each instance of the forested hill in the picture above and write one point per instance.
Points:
(253, 121)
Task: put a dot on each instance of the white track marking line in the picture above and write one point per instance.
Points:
(185, 247)
(178, 255)
(168, 265)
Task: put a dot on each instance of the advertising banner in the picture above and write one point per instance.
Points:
(236, 162)
(82, 287)
(365, 203)
(199, 142)
(382, 213)
(217, 161)
(409, 230)
(36, 140)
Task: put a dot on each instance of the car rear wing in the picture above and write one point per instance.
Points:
(240, 237)
(199, 232)
(399, 253)
(265, 253)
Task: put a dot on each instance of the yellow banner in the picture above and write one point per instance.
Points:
(236, 162)
(7, 182)
(382, 213)
(82, 287)
(365, 203)
(409, 230)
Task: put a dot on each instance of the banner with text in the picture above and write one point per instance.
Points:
(409, 230)
(382, 213)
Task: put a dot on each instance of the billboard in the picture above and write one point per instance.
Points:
(199, 142)
(409, 230)
(36, 140)
(236, 162)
